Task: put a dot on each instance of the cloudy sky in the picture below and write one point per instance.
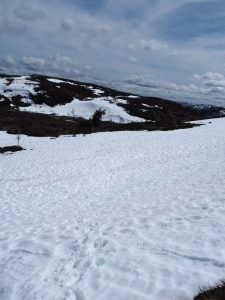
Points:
(168, 48)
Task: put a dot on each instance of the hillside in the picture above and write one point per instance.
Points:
(40, 105)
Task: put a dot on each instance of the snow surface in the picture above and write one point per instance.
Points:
(119, 216)
(86, 109)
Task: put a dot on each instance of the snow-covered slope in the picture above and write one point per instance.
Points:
(126, 215)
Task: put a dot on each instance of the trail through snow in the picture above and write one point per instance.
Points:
(119, 216)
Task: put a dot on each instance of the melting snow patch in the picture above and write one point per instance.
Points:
(60, 81)
(96, 91)
(22, 86)
(133, 96)
(27, 101)
(156, 106)
(121, 101)
(152, 106)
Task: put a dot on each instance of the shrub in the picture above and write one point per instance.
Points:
(85, 123)
(97, 116)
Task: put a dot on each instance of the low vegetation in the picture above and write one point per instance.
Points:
(10, 149)
(36, 124)
(212, 293)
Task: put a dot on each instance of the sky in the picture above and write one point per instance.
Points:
(173, 49)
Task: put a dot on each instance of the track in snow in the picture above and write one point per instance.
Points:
(126, 215)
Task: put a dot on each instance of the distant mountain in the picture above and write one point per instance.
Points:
(63, 98)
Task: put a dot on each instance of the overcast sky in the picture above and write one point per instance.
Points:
(169, 48)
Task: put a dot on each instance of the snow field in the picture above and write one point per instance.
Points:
(121, 216)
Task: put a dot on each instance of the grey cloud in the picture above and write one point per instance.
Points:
(27, 13)
(93, 28)
(10, 25)
(153, 44)
(67, 24)
(209, 76)
(32, 63)
(55, 65)
(8, 64)
(148, 81)
(214, 82)
(201, 93)
(133, 59)
(8, 61)
(131, 47)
